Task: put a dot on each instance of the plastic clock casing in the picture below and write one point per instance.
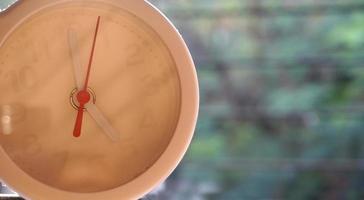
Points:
(30, 188)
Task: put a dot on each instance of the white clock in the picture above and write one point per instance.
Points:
(99, 99)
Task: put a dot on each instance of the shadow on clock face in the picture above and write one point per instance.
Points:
(87, 168)
(20, 137)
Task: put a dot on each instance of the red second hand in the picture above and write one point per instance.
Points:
(83, 96)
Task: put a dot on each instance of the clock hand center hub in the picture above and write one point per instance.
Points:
(79, 97)
(83, 97)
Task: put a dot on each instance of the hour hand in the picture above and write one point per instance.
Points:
(78, 72)
(102, 121)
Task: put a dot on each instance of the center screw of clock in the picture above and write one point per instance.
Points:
(77, 97)
(83, 97)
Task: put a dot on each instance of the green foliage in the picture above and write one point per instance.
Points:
(290, 100)
(207, 148)
(281, 97)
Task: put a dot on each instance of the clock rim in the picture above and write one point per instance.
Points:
(31, 188)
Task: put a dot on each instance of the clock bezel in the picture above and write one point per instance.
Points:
(30, 188)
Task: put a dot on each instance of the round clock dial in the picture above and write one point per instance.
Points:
(133, 81)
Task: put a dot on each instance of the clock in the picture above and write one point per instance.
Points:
(99, 99)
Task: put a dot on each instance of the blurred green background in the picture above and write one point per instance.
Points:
(282, 113)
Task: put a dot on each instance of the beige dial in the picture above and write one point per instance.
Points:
(133, 77)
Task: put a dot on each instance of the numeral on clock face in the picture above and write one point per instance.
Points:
(22, 79)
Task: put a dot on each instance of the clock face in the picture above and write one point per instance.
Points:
(133, 79)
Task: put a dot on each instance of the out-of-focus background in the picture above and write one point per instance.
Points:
(282, 92)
